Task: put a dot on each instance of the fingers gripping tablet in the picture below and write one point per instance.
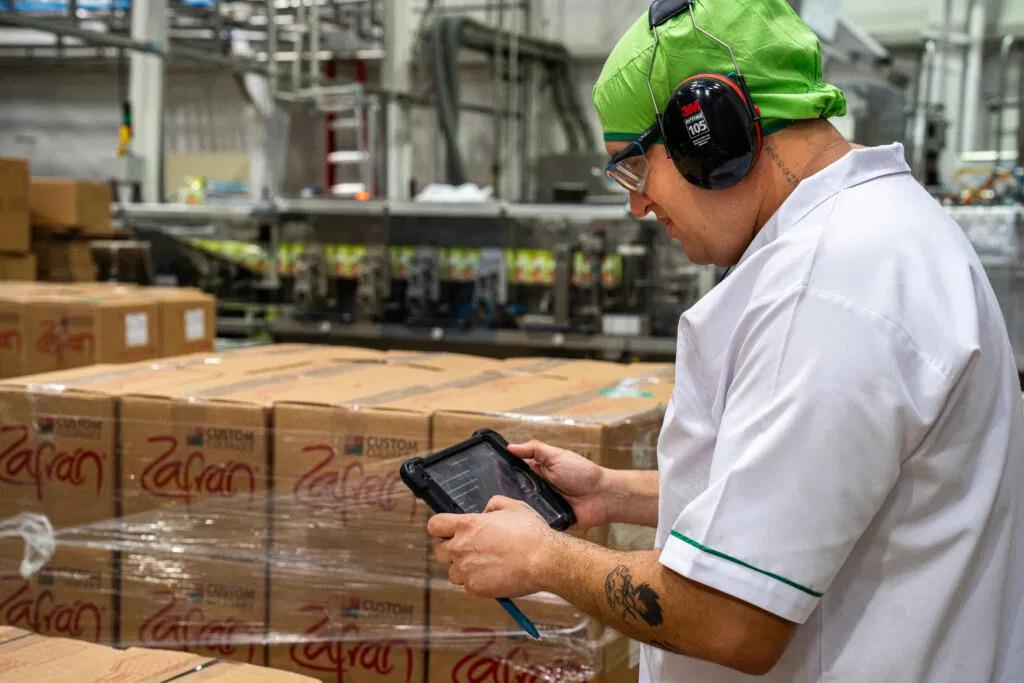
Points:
(464, 477)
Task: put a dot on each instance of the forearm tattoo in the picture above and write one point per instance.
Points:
(632, 602)
(779, 164)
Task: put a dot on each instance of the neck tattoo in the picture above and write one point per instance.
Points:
(789, 176)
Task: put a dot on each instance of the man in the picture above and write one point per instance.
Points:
(838, 494)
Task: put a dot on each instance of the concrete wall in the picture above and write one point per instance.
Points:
(65, 119)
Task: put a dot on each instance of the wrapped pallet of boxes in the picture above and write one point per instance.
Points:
(196, 460)
(259, 515)
(63, 459)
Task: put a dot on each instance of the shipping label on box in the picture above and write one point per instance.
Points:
(211, 606)
(57, 455)
(136, 329)
(197, 458)
(195, 324)
(347, 627)
(72, 595)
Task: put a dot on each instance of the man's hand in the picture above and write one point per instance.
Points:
(598, 495)
(496, 554)
(580, 481)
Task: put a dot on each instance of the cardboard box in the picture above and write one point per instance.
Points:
(14, 332)
(29, 657)
(215, 607)
(614, 428)
(233, 672)
(198, 460)
(616, 432)
(72, 595)
(474, 639)
(599, 371)
(10, 633)
(279, 358)
(457, 362)
(67, 261)
(58, 455)
(38, 658)
(348, 627)
(18, 267)
(338, 494)
(15, 234)
(58, 439)
(198, 452)
(188, 320)
(72, 331)
(68, 204)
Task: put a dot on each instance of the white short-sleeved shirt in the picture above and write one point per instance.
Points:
(844, 444)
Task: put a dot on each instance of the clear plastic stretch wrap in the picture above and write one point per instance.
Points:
(247, 506)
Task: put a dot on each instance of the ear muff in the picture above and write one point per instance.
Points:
(712, 131)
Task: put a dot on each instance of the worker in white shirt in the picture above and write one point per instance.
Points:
(841, 467)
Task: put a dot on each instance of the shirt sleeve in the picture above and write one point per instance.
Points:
(825, 401)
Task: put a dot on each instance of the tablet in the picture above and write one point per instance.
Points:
(464, 477)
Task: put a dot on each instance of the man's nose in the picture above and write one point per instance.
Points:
(639, 204)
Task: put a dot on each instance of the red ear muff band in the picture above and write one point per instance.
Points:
(724, 79)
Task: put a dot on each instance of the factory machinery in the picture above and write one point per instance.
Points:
(493, 277)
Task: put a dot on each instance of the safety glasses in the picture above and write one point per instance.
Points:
(628, 167)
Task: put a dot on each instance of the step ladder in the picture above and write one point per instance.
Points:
(354, 116)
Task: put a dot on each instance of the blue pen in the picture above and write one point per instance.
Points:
(521, 619)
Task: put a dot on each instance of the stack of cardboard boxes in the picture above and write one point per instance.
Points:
(46, 224)
(16, 260)
(67, 213)
(45, 327)
(254, 510)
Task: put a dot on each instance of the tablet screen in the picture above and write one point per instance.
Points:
(473, 476)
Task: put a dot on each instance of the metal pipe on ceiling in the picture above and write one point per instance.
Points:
(112, 40)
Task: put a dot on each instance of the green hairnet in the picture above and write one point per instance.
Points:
(780, 58)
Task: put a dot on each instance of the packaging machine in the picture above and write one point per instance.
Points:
(491, 277)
